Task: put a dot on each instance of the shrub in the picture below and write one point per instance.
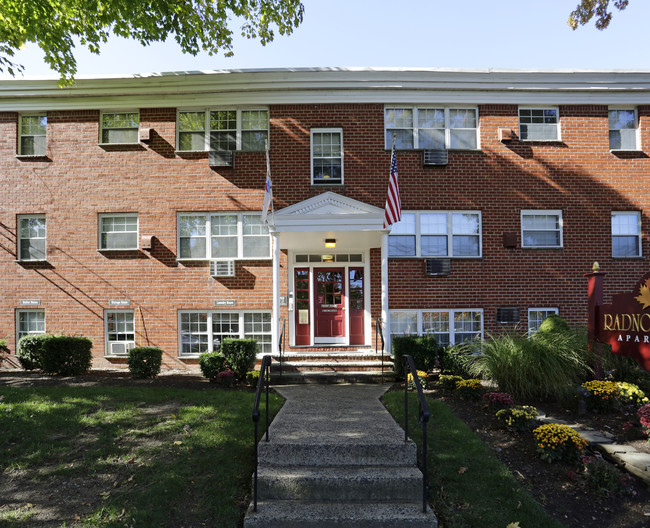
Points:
(253, 377)
(469, 389)
(422, 376)
(644, 418)
(497, 400)
(145, 362)
(448, 382)
(29, 350)
(558, 442)
(225, 378)
(519, 418)
(66, 355)
(554, 323)
(601, 476)
(631, 394)
(240, 355)
(423, 349)
(454, 360)
(4, 349)
(211, 363)
(602, 395)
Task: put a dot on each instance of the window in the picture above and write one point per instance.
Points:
(120, 127)
(626, 234)
(436, 234)
(536, 317)
(538, 124)
(30, 322)
(622, 130)
(32, 140)
(449, 327)
(432, 128)
(120, 332)
(223, 236)
(202, 332)
(118, 231)
(327, 156)
(541, 229)
(228, 129)
(32, 237)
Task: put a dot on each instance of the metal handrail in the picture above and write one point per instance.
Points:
(281, 343)
(423, 419)
(264, 379)
(379, 333)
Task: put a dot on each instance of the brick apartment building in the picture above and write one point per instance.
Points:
(130, 207)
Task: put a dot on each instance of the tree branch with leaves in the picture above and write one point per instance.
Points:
(588, 9)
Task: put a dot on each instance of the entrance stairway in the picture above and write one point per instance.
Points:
(337, 458)
(340, 366)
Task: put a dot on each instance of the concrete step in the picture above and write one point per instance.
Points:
(341, 484)
(331, 364)
(366, 376)
(297, 514)
(398, 453)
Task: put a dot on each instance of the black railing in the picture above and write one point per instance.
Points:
(263, 381)
(379, 334)
(281, 343)
(423, 419)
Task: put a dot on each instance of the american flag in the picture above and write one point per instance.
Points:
(268, 189)
(393, 210)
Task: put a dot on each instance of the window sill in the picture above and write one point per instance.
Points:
(327, 184)
(544, 141)
(623, 151)
(116, 356)
(121, 250)
(542, 247)
(237, 259)
(636, 257)
(125, 144)
(33, 261)
(434, 257)
(32, 156)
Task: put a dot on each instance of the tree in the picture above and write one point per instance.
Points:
(55, 26)
(587, 9)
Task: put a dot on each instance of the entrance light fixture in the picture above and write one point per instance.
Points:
(330, 242)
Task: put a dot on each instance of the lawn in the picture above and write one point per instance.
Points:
(125, 457)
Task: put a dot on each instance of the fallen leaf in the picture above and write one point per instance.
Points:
(462, 470)
(116, 484)
(130, 478)
(178, 442)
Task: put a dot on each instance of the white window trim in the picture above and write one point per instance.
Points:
(241, 314)
(208, 244)
(448, 129)
(557, 124)
(639, 236)
(451, 312)
(21, 135)
(206, 134)
(637, 133)
(109, 215)
(107, 347)
(550, 310)
(449, 235)
(20, 239)
(101, 127)
(528, 212)
(339, 131)
(23, 310)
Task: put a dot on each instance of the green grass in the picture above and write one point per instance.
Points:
(468, 486)
(146, 457)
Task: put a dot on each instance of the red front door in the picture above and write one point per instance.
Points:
(329, 305)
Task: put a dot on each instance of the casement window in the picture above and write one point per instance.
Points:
(204, 331)
(623, 129)
(449, 327)
(120, 128)
(541, 229)
(436, 234)
(626, 234)
(228, 129)
(32, 238)
(33, 135)
(536, 316)
(119, 332)
(223, 236)
(327, 156)
(431, 128)
(29, 322)
(539, 124)
(118, 231)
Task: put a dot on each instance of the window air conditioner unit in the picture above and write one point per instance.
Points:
(437, 267)
(120, 348)
(436, 157)
(220, 158)
(508, 315)
(222, 268)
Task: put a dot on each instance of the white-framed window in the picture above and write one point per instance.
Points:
(539, 124)
(626, 234)
(541, 229)
(222, 129)
(223, 236)
(118, 231)
(204, 331)
(32, 237)
(436, 234)
(449, 327)
(32, 140)
(432, 128)
(623, 129)
(120, 128)
(536, 317)
(327, 156)
(119, 332)
(29, 322)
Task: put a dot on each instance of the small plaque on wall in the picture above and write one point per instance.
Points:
(225, 302)
(30, 302)
(119, 302)
(303, 316)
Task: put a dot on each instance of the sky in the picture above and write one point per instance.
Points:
(458, 34)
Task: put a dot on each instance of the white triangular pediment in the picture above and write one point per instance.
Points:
(329, 203)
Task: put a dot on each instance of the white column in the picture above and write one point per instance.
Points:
(385, 318)
(275, 315)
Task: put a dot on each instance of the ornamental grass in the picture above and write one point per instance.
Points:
(558, 442)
